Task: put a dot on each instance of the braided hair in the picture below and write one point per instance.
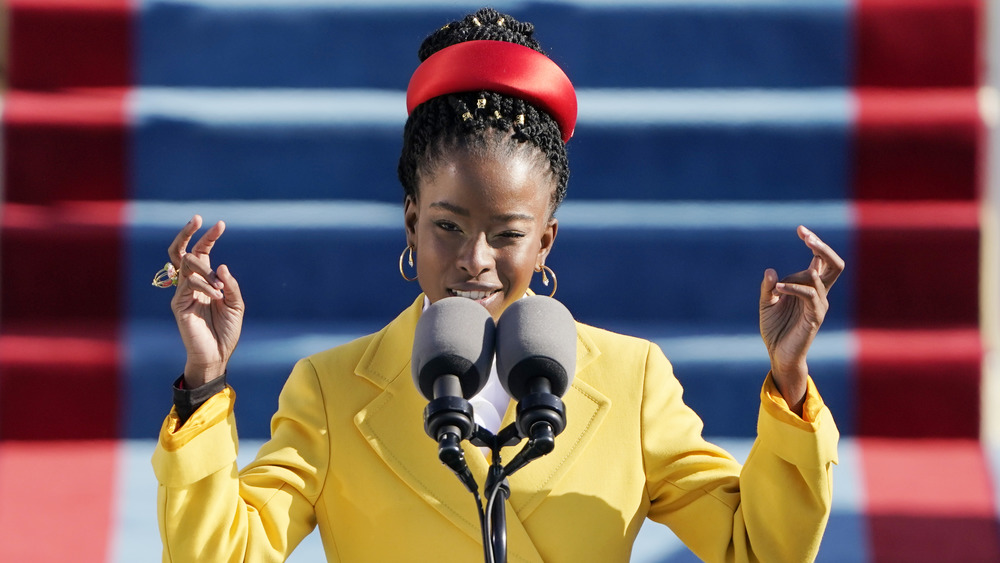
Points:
(483, 120)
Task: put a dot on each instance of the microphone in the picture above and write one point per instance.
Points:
(451, 359)
(536, 360)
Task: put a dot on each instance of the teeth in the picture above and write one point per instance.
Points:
(475, 295)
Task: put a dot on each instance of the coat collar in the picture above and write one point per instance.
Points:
(392, 423)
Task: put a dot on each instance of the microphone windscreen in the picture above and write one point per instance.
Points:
(536, 337)
(454, 336)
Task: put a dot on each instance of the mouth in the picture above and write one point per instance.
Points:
(477, 295)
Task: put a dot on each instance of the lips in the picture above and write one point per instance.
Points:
(475, 295)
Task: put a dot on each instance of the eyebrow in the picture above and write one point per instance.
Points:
(458, 210)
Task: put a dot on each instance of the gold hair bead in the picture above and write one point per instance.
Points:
(481, 103)
(500, 22)
(466, 116)
(496, 114)
(476, 22)
(445, 26)
(520, 119)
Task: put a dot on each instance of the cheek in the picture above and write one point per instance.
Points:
(519, 265)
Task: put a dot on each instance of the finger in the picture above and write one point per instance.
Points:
(178, 247)
(825, 260)
(797, 290)
(207, 240)
(198, 283)
(813, 295)
(192, 264)
(767, 287)
(234, 298)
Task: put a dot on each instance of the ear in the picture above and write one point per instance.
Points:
(548, 239)
(410, 216)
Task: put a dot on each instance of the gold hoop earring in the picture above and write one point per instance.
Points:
(545, 280)
(410, 262)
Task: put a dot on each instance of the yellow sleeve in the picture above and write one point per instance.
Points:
(208, 511)
(774, 508)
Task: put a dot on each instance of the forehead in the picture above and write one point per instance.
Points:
(495, 181)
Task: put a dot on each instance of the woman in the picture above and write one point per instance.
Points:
(483, 172)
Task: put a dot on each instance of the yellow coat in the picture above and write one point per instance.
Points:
(348, 452)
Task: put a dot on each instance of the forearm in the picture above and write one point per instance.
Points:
(264, 511)
(786, 483)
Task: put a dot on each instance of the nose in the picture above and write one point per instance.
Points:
(476, 256)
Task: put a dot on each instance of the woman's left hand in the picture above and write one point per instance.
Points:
(791, 312)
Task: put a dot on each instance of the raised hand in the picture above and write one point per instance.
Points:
(207, 305)
(791, 312)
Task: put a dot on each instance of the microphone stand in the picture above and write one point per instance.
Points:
(448, 417)
(496, 490)
(494, 519)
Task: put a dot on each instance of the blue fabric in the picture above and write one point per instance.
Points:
(757, 43)
(710, 147)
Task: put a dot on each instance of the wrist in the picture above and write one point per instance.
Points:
(792, 383)
(196, 375)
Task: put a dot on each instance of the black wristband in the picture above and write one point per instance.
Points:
(186, 401)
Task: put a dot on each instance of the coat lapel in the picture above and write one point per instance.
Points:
(586, 407)
(392, 423)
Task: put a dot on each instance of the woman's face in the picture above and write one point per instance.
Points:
(481, 226)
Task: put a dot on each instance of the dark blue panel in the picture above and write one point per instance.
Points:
(184, 161)
(725, 393)
(705, 278)
(701, 277)
(767, 161)
(175, 160)
(794, 44)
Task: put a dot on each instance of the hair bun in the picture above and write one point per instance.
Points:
(484, 24)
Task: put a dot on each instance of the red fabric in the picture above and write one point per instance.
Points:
(61, 263)
(69, 43)
(58, 500)
(918, 383)
(65, 146)
(919, 43)
(929, 500)
(497, 66)
(60, 382)
(918, 144)
(919, 265)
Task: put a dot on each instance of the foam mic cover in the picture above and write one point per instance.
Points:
(454, 336)
(536, 337)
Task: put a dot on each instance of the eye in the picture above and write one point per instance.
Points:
(505, 238)
(447, 226)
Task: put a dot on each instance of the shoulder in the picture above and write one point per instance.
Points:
(378, 356)
(350, 352)
(606, 355)
(613, 343)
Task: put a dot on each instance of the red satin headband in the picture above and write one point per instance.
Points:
(497, 66)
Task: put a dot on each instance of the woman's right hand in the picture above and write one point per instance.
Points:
(207, 305)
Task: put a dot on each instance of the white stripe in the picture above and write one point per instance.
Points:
(829, 345)
(278, 106)
(724, 107)
(386, 108)
(579, 214)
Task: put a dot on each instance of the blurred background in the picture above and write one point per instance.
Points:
(708, 130)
